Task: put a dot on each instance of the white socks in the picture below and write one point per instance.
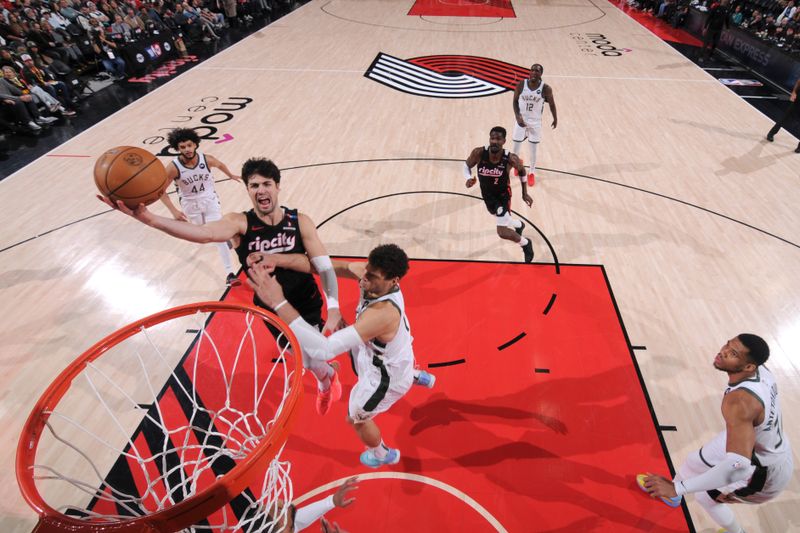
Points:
(381, 451)
(532, 147)
(225, 254)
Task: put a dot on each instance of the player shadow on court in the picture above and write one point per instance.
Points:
(673, 66)
(482, 438)
(751, 161)
(634, 217)
(440, 410)
(711, 128)
(401, 228)
(12, 278)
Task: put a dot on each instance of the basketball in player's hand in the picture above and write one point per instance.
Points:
(130, 174)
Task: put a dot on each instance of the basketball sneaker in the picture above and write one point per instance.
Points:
(531, 180)
(672, 502)
(528, 251)
(232, 280)
(519, 229)
(368, 458)
(333, 394)
(424, 379)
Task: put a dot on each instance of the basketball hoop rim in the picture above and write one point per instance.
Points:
(200, 505)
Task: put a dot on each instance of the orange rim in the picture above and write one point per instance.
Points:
(191, 510)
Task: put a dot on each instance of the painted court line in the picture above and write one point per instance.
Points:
(361, 72)
(410, 477)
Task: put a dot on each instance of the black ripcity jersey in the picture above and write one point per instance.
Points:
(299, 288)
(493, 177)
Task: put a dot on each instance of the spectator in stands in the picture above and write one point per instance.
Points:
(755, 23)
(15, 115)
(769, 26)
(56, 19)
(14, 30)
(132, 20)
(738, 15)
(8, 58)
(106, 50)
(151, 20)
(67, 10)
(33, 75)
(96, 13)
(40, 96)
(230, 10)
(120, 27)
(788, 12)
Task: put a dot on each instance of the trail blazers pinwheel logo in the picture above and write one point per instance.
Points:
(446, 76)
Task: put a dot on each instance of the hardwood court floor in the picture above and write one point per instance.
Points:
(655, 171)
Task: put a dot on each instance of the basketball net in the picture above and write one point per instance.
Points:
(190, 438)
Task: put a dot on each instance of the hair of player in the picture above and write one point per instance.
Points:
(538, 65)
(499, 129)
(261, 166)
(757, 348)
(179, 135)
(390, 259)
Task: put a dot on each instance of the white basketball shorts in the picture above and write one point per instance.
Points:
(778, 475)
(532, 131)
(202, 210)
(379, 386)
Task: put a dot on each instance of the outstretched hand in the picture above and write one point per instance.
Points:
(140, 213)
(659, 487)
(340, 498)
(470, 182)
(335, 322)
(260, 257)
(527, 199)
(327, 527)
(260, 278)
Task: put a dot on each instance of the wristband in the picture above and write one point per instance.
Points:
(280, 304)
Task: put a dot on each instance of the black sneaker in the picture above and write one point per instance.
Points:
(770, 137)
(528, 251)
(797, 150)
(232, 280)
(519, 229)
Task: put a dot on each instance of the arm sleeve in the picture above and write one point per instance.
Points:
(318, 346)
(327, 275)
(467, 171)
(730, 470)
(312, 512)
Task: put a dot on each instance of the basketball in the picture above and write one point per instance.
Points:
(130, 174)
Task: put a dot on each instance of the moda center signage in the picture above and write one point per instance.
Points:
(204, 117)
(597, 44)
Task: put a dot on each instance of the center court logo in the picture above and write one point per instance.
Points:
(446, 76)
(597, 44)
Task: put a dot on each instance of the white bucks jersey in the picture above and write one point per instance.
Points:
(397, 354)
(771, 445)
(531, 103)
(195, 183)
